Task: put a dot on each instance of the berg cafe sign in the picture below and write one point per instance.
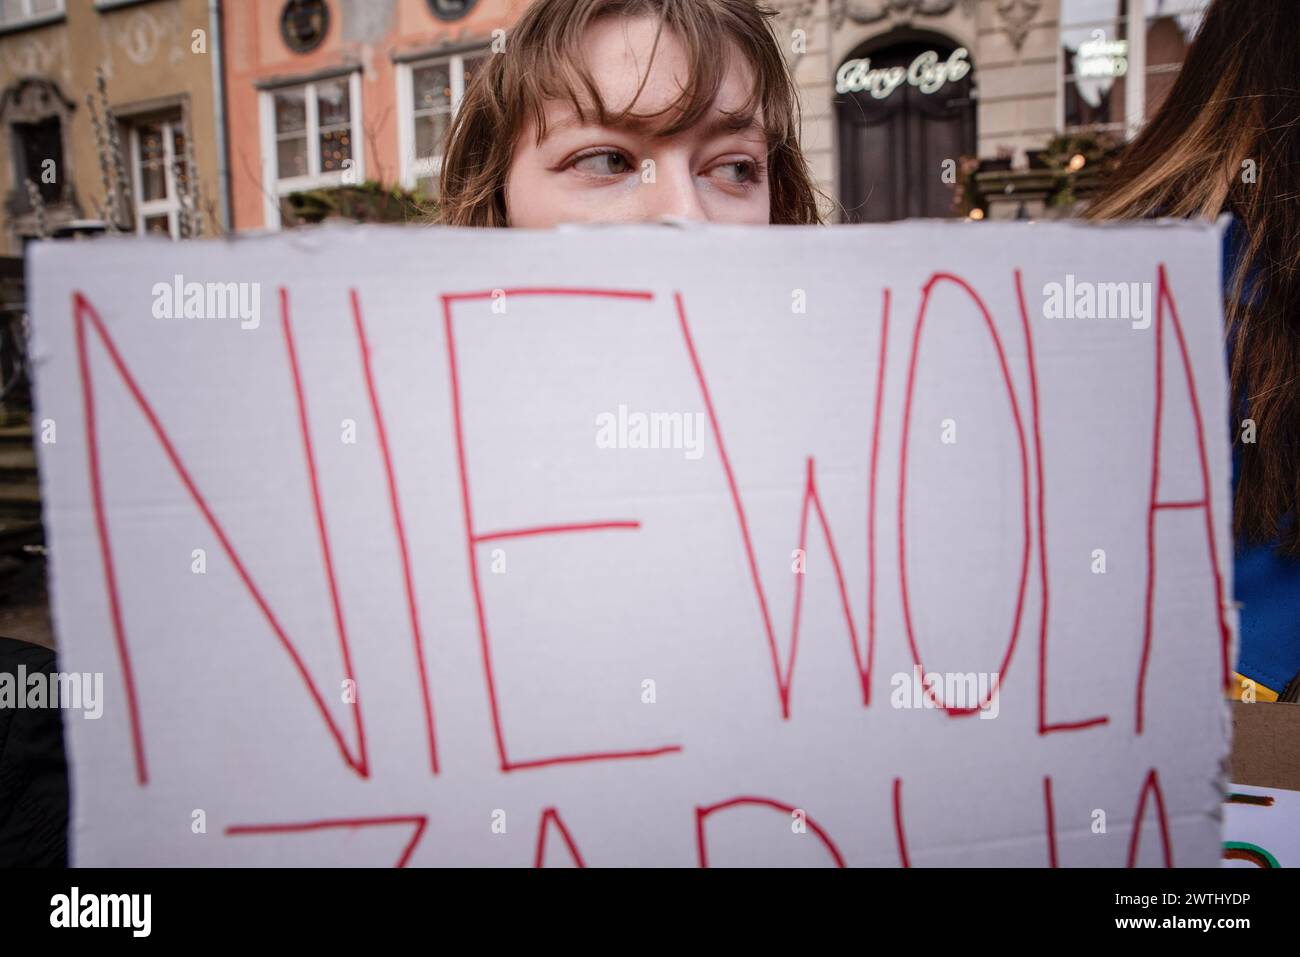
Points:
(926, 73)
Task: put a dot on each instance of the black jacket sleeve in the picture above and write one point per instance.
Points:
(33, 770)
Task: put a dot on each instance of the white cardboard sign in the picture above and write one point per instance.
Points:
(863, 545)
(1261, 827)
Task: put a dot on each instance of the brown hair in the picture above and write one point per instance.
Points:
(543, 61)
(1234, 111)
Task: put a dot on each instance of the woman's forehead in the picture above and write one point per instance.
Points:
(634, 75)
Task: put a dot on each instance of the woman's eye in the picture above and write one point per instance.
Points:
(741, 171)
(602, 164)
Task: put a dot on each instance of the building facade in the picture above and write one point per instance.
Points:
(896, 93)
(160, 63)
(337, 92)
(896, 96)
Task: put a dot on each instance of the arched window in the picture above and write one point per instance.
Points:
(904, 108)
(36, 117)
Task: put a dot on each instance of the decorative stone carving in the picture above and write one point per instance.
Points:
(34, 98)
(1016, 16)
(871, 11)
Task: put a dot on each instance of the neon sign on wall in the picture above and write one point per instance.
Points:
(1100, 57)
(926, 73)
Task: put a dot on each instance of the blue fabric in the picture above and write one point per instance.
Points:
(1269, 588)
(1267, 585)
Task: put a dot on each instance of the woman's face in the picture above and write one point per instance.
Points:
(710, 172)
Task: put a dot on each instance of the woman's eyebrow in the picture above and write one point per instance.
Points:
(726, 124)
(722, 124)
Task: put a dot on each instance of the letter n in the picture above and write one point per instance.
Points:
(85, 317)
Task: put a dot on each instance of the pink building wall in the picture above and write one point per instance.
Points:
(365, 33)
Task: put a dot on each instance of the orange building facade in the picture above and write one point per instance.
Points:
(326, 93)
(338, 92)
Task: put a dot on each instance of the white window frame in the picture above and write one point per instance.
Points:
(274, 188)
(410, 166)
(1136, 76)
(169, 205)
(28, 17)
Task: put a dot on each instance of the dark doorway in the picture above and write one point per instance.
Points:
(893, 148)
